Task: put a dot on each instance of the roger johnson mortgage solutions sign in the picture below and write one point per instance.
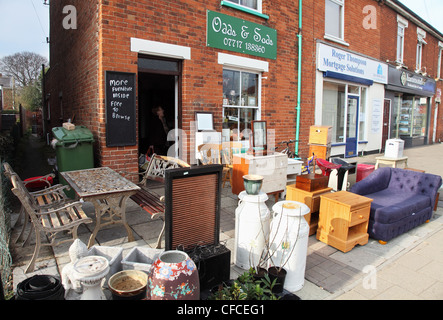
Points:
(351, 64)
(238, 35)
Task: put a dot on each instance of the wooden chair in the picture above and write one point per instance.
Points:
(49, 219)
(148, 200)
(228, 150)
(48, 195)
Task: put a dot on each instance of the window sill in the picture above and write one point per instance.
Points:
(244, 9)
(335, 39)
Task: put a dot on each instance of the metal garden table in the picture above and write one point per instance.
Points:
(108, 191)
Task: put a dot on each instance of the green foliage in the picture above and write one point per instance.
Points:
(31, 96)
(246, 287)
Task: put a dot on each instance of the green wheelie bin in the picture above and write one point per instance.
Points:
(74, 151)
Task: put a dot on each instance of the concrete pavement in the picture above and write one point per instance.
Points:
(408, 267)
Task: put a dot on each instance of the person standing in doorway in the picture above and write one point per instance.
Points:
(158, 131)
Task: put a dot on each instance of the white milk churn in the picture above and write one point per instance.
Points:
(252, 223)
(289, 241)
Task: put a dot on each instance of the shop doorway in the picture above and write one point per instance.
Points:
(386, 123)
(158, 88)
(352, 127)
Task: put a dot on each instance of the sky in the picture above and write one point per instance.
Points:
(24, 24)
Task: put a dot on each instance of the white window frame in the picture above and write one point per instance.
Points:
(421, 36)
(258, 9)
(362, 117)
(340, 39)
(257, 108)
(418, 58)
(440, 56)
(402, 24)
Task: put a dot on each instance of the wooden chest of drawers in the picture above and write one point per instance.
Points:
(343, 221)
(311, 199)
(273, 168)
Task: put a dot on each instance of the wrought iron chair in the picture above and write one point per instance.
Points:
(44, 194)
(49, 218)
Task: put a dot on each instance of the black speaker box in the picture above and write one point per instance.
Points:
(213, 264)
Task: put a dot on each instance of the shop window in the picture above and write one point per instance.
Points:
(334, 19)
(240, 102)
(334, 110)
(402, 24)
(411, 116)
(340, 106)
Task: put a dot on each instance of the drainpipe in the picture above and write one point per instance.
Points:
(299, 36)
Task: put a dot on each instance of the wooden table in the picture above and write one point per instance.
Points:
(108, 191)
(391, 161)
(343, 221)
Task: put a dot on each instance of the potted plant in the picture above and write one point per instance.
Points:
(245, 287)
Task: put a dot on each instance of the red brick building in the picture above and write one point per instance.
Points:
(413, 49)
(7, 93)
(113, 61)
(356, 87)
(165, 45)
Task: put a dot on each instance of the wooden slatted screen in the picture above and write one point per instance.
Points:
(192, 206)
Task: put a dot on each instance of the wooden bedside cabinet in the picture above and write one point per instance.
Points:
(343, 221)
(311, 199)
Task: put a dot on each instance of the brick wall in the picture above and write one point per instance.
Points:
(73, 77)
(388, 46)
(80, 58)
(104, 44)
(358, 39)
(7, 97)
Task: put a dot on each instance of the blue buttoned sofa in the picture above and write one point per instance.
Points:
(402, 200)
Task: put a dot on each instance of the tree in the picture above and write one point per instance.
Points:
(24, 66)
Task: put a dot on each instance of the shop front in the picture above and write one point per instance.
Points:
(409, 97)
(349, 96)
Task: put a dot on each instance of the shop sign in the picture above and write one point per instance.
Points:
(238, 35)
(351, 64)
(409, 82)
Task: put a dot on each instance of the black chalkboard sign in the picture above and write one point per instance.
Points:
(120, 109)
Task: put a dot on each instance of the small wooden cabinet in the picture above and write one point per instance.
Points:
(320, 135)
(311, 199)
(343, 221)
(320, 151)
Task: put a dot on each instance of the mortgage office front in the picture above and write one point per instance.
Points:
(349, 98)
(235, 61)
